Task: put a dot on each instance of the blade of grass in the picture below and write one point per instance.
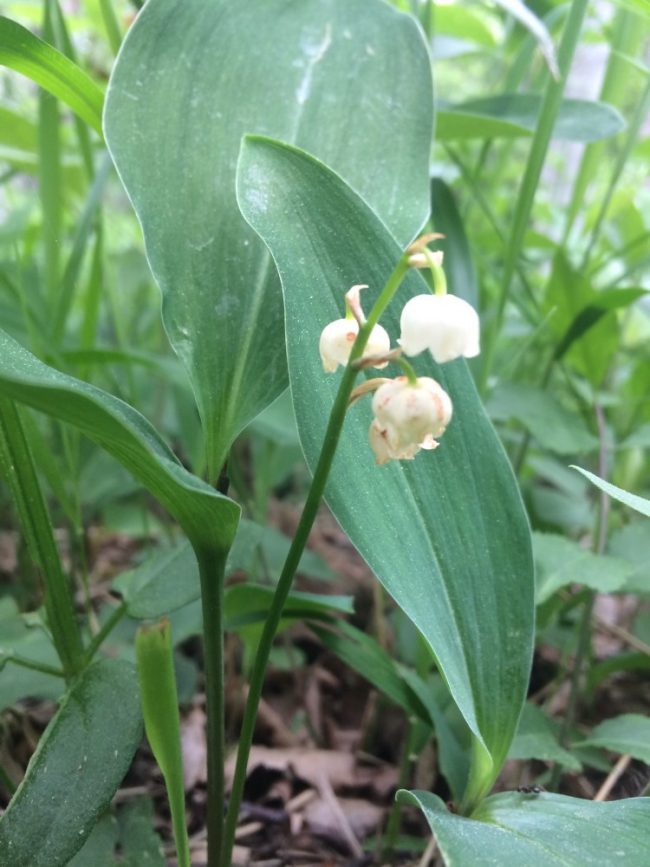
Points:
(17, 466)
(23, 52)
(626, 36)
(80, 243)
(638, 119)
(50, 182)
(111, 24)
(536, 158)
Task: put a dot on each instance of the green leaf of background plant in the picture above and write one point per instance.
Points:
(208, 518)
(535, 739)
(159, 699)
(536, 27)
(348, 79)
(627, 733)
(513, 829)
(78, 765)
(511, 115)
(554, 426)
(446, 534)
(639, 504)
(23, 52)
(560, 561)
(170, 579)
(459, 267)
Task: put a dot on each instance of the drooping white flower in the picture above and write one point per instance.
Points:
(338, 337)
(408, 417)
(444, 324)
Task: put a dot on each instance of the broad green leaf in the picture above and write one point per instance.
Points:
(600, 304)
(544, 830)
(560, 561)
(99, 848)
(576, 306)
(159, 698)
(78, 765)
(511, 115)
(535, 739)
(632, 543)
(628, 733)
(639, 504)
(23, 52)
(459, 267)
(139, 843)
(348, 79)
(33, 643)
(555, 427)
(459, 568)
(209, 519)
(465, 24)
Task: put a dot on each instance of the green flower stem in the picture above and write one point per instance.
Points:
(408, 370)
(321, 473)
(17, 466)
(212, 568)
(536, 158)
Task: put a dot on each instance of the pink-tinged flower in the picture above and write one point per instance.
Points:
(444, 324)
(408, 417)
(338, 337)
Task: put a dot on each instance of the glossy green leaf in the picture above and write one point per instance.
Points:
(544, 830)
(628, 733)
(348, 79)
(560, 561)
(639, 504)
(461, 571)
(459, 267)
(23, 52)
(155, 661)
(511, 115)
(78, 765)
(209, 519)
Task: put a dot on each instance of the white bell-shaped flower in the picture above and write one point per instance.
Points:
(444, 324)
(408, 417)
(338, 337)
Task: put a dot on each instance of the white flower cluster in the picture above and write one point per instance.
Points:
(409, 412)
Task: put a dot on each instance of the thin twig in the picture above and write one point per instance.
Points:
(613, 777)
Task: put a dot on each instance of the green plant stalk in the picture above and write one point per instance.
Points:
(154, 653)
(536, 158)
(111, 24)
(639, 118)
(49, 175)
(395, 815)
(321, 473)
(32, 664)
(625, 39)
(17, 466)
(584, 630)
(104, 632)
(212, 568)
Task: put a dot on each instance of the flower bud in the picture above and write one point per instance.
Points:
(408, 417)
(338, 337)
(444, 324)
